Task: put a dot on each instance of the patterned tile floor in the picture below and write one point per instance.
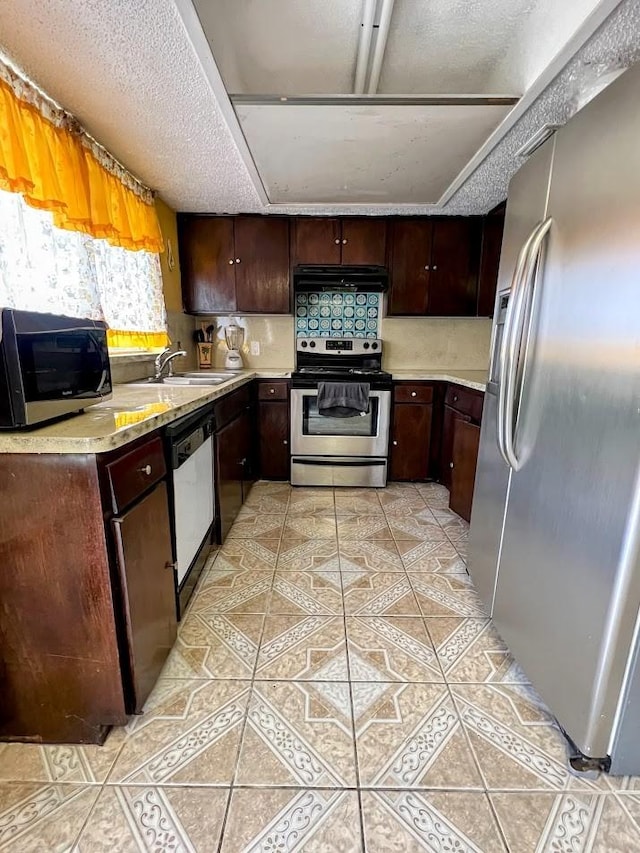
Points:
(336, 686)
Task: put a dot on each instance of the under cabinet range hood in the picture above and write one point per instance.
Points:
(336, 278)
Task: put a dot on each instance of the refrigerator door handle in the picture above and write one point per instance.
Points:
(505, 345)
(527, 290)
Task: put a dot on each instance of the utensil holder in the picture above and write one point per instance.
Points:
(205, 355)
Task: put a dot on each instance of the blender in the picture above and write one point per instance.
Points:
(234, 337)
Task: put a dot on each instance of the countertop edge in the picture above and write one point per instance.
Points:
(442, 376)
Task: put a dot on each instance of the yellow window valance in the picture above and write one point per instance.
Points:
(47, 158)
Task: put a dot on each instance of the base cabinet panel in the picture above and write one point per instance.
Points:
(273, 426)
(410, 441)
(466, 442)
(60, 679)
(228, 477)
(449, 418)
(144, 557)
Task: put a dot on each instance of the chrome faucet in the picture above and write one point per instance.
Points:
(166, 358)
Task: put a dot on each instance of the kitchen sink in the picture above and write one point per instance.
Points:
(200, 377)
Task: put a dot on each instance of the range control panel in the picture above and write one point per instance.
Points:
(339, 346)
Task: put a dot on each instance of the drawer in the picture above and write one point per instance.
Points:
(131, 474)
(413, 392)
(276, 390)
(465, 400)
(230, 407)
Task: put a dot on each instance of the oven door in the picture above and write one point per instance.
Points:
(313, 434)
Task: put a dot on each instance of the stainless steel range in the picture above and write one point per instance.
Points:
(339, 451)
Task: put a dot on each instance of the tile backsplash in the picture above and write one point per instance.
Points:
(338, 315)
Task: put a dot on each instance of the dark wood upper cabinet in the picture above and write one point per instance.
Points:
(316, 241)
(364, 241)
(466, 441)
(455, 254)
(207, 261)
(262, 264)
(243, 263)
(143, 552)
(410, 266)
(490, 261)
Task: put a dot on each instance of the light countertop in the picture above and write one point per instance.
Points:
(476, 379)
(135, 410)
(132, 411)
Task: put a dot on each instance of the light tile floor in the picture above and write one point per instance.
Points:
(336, 686)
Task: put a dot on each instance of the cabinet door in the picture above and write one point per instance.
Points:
(410, 439)
(410, 267)
(207, 262)
(449, 418)
(262, 264)
(316, 241)
(247, 449)
(229, 455)
(466, 440)
(145, 565)
(489, 263)
(454, 268)
(273, 424)
(364, 241)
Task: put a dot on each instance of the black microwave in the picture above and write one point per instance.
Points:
(50, 366)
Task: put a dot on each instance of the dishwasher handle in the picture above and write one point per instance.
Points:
(187, 446)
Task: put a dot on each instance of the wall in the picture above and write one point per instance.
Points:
(274, 333)
(180, 325)
(436, 343)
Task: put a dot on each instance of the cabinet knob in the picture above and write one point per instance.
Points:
(395, 443)
(337, 241)
(285, 441)
(414, 394)
(434, 267)
(450, 464)
(146, 469)
(231, 260)
(344, 242)
(455, 399)
(169, 565)
(272, 390)
(426, 266)
(237, 260)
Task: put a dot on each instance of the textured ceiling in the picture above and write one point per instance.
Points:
(130, 73)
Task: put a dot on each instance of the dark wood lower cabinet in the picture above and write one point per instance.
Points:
(143, 551)
(449, 418)
(466, 441)
(60, 679)
(410, 439)
(273, 440)
(228, 476)
(87, 602)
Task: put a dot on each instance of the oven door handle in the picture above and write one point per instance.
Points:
(352, 462)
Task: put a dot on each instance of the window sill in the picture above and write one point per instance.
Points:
(132, 356)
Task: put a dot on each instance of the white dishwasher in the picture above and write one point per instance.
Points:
(190, 453)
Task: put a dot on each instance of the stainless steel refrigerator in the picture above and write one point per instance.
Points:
(555, 526)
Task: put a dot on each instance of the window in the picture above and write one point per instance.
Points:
(48, 269)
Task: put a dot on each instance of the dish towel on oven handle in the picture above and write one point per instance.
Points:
(343, 399)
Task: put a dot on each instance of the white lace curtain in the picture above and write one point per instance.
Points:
(47, 269)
